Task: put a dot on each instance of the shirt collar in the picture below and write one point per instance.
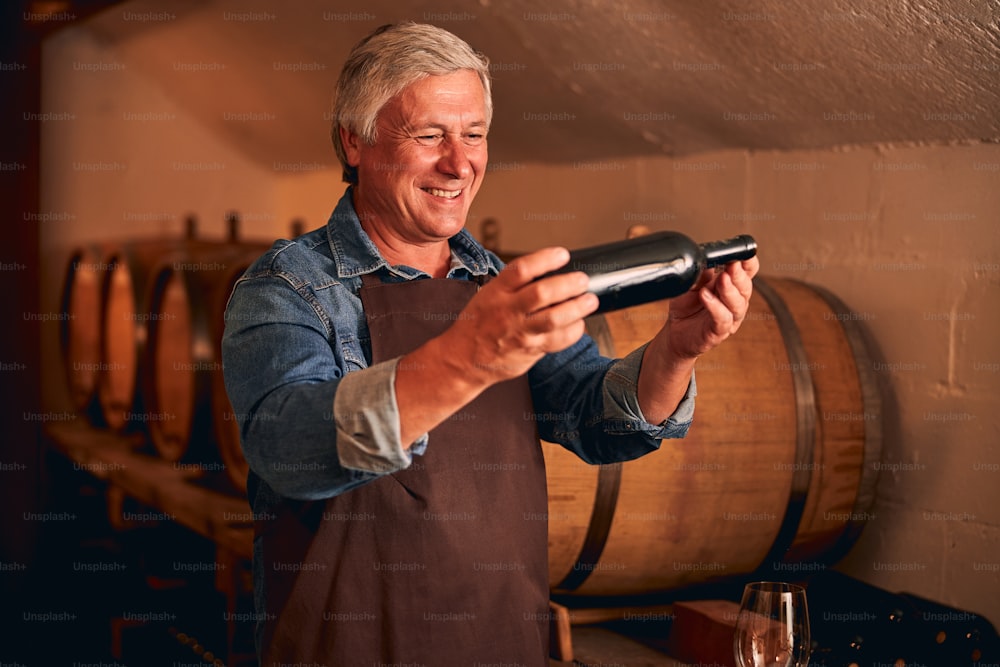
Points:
(355, 253)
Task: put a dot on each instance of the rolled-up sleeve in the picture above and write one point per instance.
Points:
(587, 403)
(367, 418)
(621, 403)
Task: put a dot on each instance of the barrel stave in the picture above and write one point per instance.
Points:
(80, 330)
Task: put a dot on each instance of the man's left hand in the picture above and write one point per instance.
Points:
(699, 320)
(712, 311)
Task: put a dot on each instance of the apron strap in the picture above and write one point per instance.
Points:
(369, 280)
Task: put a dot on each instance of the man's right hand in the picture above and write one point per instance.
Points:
(515, 319)
(509, 325)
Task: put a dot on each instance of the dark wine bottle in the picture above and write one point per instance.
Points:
(854, 651)
(952, 637)
(648, 268)
(855, 624)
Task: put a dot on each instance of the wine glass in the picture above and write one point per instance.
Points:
(772, 629)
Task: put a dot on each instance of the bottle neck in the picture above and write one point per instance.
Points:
(738, 248)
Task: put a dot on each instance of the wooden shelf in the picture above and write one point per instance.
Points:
(176, 492)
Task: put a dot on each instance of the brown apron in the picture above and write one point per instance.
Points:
(441, 564)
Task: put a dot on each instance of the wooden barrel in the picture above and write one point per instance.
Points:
(80, 328)
(125, 320)
(189, 290)
(126, 317)
(775, 476)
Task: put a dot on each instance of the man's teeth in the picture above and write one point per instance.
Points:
(447, 194)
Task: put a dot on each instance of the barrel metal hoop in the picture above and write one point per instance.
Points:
(805, 421)
(609, 479)
(871, 402)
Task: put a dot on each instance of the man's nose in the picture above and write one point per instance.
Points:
(454, 161)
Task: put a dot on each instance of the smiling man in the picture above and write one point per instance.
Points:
(386, 370)
(415, 184)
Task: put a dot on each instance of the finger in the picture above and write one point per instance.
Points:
(527, 268)
(737, 280)
(731, 297)
(556, 340)
(721, 317)
(561, 315)
(552, 290)
(562, 338)
(741, 278)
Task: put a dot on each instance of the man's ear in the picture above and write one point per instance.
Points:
(352, 146)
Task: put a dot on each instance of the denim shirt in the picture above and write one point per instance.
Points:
(318, 419)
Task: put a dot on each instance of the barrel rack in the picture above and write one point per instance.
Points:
(172, 491)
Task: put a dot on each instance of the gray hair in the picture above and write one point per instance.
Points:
(384, 63)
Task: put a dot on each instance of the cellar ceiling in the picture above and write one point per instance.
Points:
(578, 80)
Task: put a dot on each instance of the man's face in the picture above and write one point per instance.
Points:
(418, 180)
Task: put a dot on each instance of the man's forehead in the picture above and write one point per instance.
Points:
(434, 99)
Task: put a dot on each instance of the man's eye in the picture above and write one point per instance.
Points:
(475, 138)
(429, 139)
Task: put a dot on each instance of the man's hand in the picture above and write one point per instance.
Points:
(699, 320)
(713, 310)
(515, 320)
(511, 323)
